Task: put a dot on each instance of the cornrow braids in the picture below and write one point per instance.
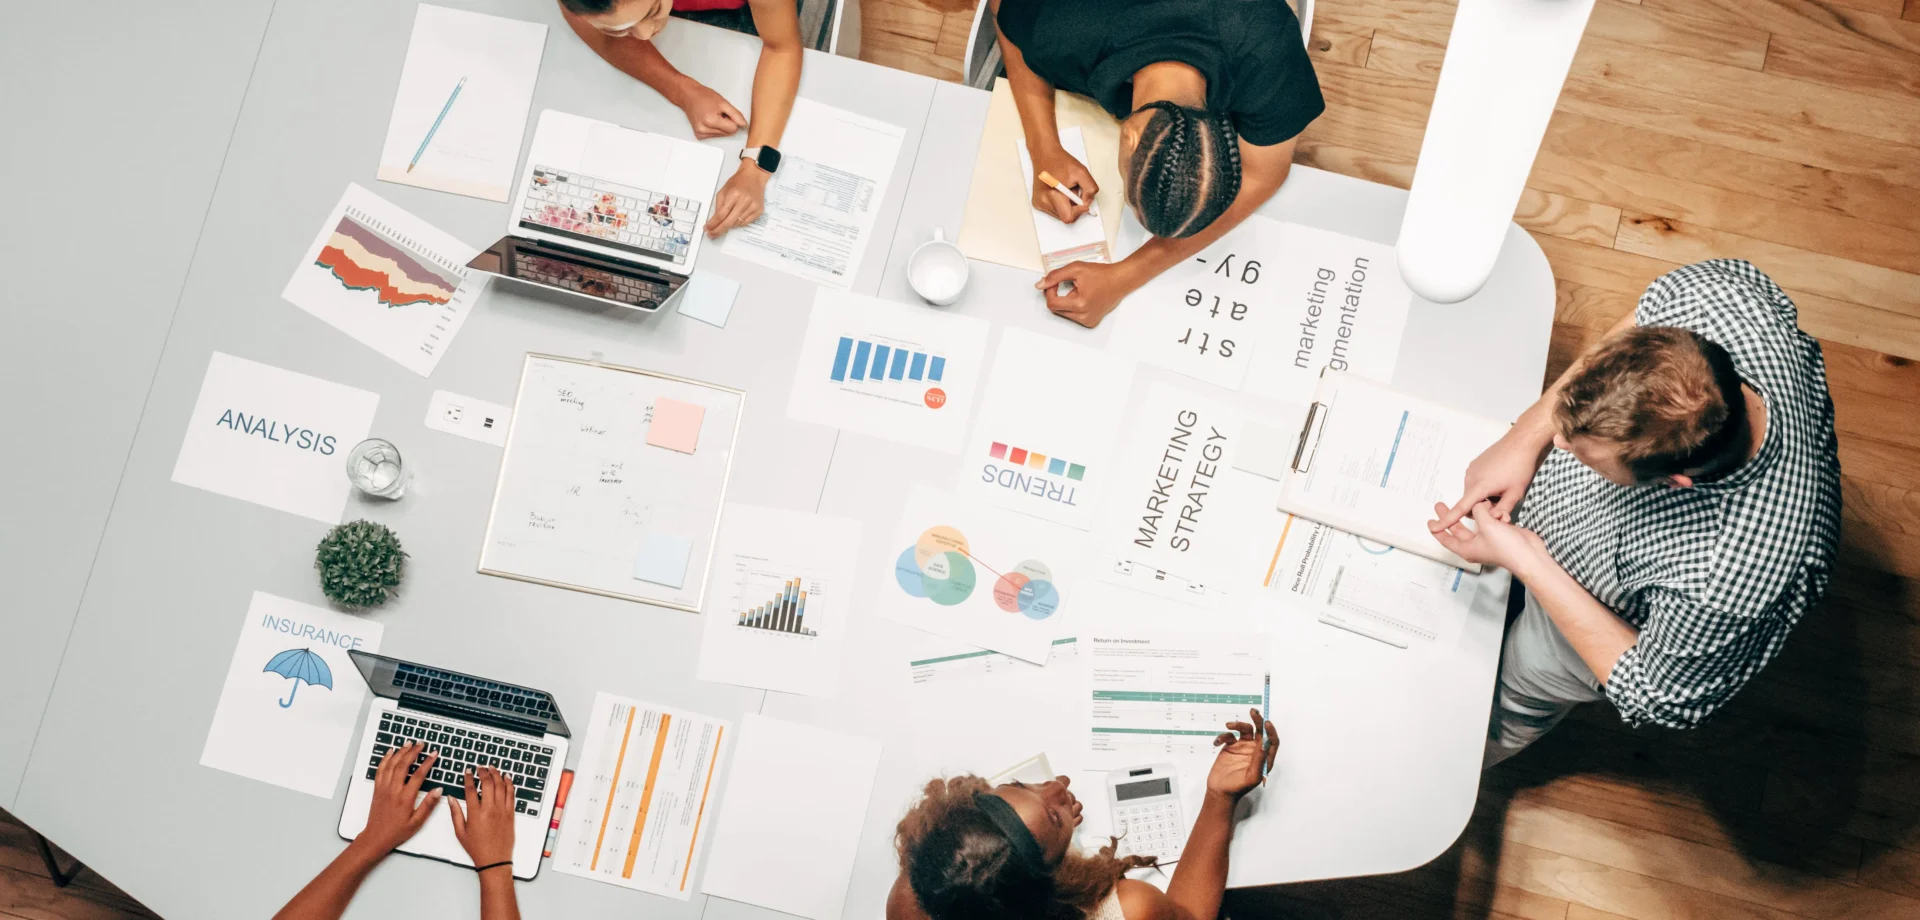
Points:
(1185, 170)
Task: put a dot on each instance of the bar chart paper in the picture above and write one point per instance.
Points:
(639, 805)
(778, 618)
(896, 371)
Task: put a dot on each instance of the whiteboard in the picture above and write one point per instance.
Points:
(580, 488)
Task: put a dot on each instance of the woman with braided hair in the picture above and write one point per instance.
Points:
(1211, 95)
(969, 851)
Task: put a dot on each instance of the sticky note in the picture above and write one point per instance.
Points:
(709, 298)
(676, 425)
(663, 559)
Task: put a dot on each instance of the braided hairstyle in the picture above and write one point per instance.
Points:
(1185, 170)
(960, 865)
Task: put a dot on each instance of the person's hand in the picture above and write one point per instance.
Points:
(395, 816)
(740, 200)
(710, 114)
(486, 831)
(1246, 754)
(1073, 174)
(1490, 541)
(1097, 289)
(1500, 475)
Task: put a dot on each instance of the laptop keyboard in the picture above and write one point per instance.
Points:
(464, 747)
(634, 292)
(472, 691)
(621, 216)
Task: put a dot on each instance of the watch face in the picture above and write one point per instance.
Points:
(769, 159)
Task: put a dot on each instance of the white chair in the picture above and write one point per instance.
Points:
(817, 23)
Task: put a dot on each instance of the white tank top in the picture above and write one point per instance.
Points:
(1109, 909)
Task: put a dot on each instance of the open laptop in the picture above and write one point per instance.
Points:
(606, 212)
(471, 721)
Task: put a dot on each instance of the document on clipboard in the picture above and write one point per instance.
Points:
(1373, 461)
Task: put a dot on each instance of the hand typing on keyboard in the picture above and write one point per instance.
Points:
(395, 816)
(486, 831)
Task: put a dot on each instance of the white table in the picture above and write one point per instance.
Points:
(1383, 749)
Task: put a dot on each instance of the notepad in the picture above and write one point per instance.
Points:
(663, 559)
(676, 425)
(709, 298)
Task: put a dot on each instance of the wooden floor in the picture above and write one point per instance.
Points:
(1786, 132)
(1782, 131)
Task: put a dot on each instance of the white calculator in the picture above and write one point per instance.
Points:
(1146, 812)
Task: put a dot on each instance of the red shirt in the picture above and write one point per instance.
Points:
(700, 5)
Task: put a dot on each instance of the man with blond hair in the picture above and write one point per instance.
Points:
(1671, 506)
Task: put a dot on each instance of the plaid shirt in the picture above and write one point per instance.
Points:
(1715, 576)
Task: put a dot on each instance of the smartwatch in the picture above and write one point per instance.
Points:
(764, 157)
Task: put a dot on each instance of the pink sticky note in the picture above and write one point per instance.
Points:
(676, 425)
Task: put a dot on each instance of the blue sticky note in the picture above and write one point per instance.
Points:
(709, 298)
(663, 559)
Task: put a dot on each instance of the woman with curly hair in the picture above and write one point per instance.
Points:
(969, 851)
(1212, 95)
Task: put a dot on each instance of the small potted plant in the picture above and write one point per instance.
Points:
(360, 564)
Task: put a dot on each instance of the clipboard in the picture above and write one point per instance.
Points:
(589, 540)
(1371, 461)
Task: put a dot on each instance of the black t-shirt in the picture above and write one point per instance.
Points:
(1250, 51)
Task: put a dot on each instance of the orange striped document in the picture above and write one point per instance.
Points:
(638, 809)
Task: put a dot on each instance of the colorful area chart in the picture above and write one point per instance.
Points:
(365, 260)
(940, 568)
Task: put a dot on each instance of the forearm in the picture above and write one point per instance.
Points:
(497, 901)
(1200, 879)
(327, 896)
(635, 58)
(1597, 634)
(1032, 98)
(776, 80)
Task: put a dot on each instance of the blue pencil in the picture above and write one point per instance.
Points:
(436, 124)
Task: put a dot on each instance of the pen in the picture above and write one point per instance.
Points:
(559, 805)
(1053, 183)
(1266, 712)
(436, 124)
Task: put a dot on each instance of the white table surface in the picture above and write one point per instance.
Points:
(1383, 747)
(113, 140)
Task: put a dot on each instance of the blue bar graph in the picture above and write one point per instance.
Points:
(840, 358)
(857, 360)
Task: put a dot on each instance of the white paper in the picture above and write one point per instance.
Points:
(1153, 697)
(1266, 450)
(274, 437)
(1267, 307)
(1202, 317)
(978, 711)
(1178, 512)
(387, 278)
(1048, 421)
(1084, 240)
(1369, 588)
(1343, 308)
(923, 399)
(1381, 462)
(637, 813)
(294, 731)
(495, 63)
(790, 825)
(624, 194)
(982, 575)
(580, 488)
(468, 417)
(781, 583)
(821, 203)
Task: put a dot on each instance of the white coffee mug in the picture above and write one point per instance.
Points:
(937, 270)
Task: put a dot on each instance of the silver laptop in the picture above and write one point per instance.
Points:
(472, 722)
(607, 213)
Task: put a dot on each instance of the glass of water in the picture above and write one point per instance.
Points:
(373, 466)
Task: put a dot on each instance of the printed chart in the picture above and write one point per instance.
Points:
(781, 579)
(785, 612)
(1370, 588)
(984, 576)
(639, 801)
(389, 279)
(874, 367)
(1161, 696)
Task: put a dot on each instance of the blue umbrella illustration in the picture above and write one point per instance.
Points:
(301, 666)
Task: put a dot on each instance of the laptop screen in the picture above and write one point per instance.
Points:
(474, 698)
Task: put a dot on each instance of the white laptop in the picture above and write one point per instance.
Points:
(471, 721)
(607, 212)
